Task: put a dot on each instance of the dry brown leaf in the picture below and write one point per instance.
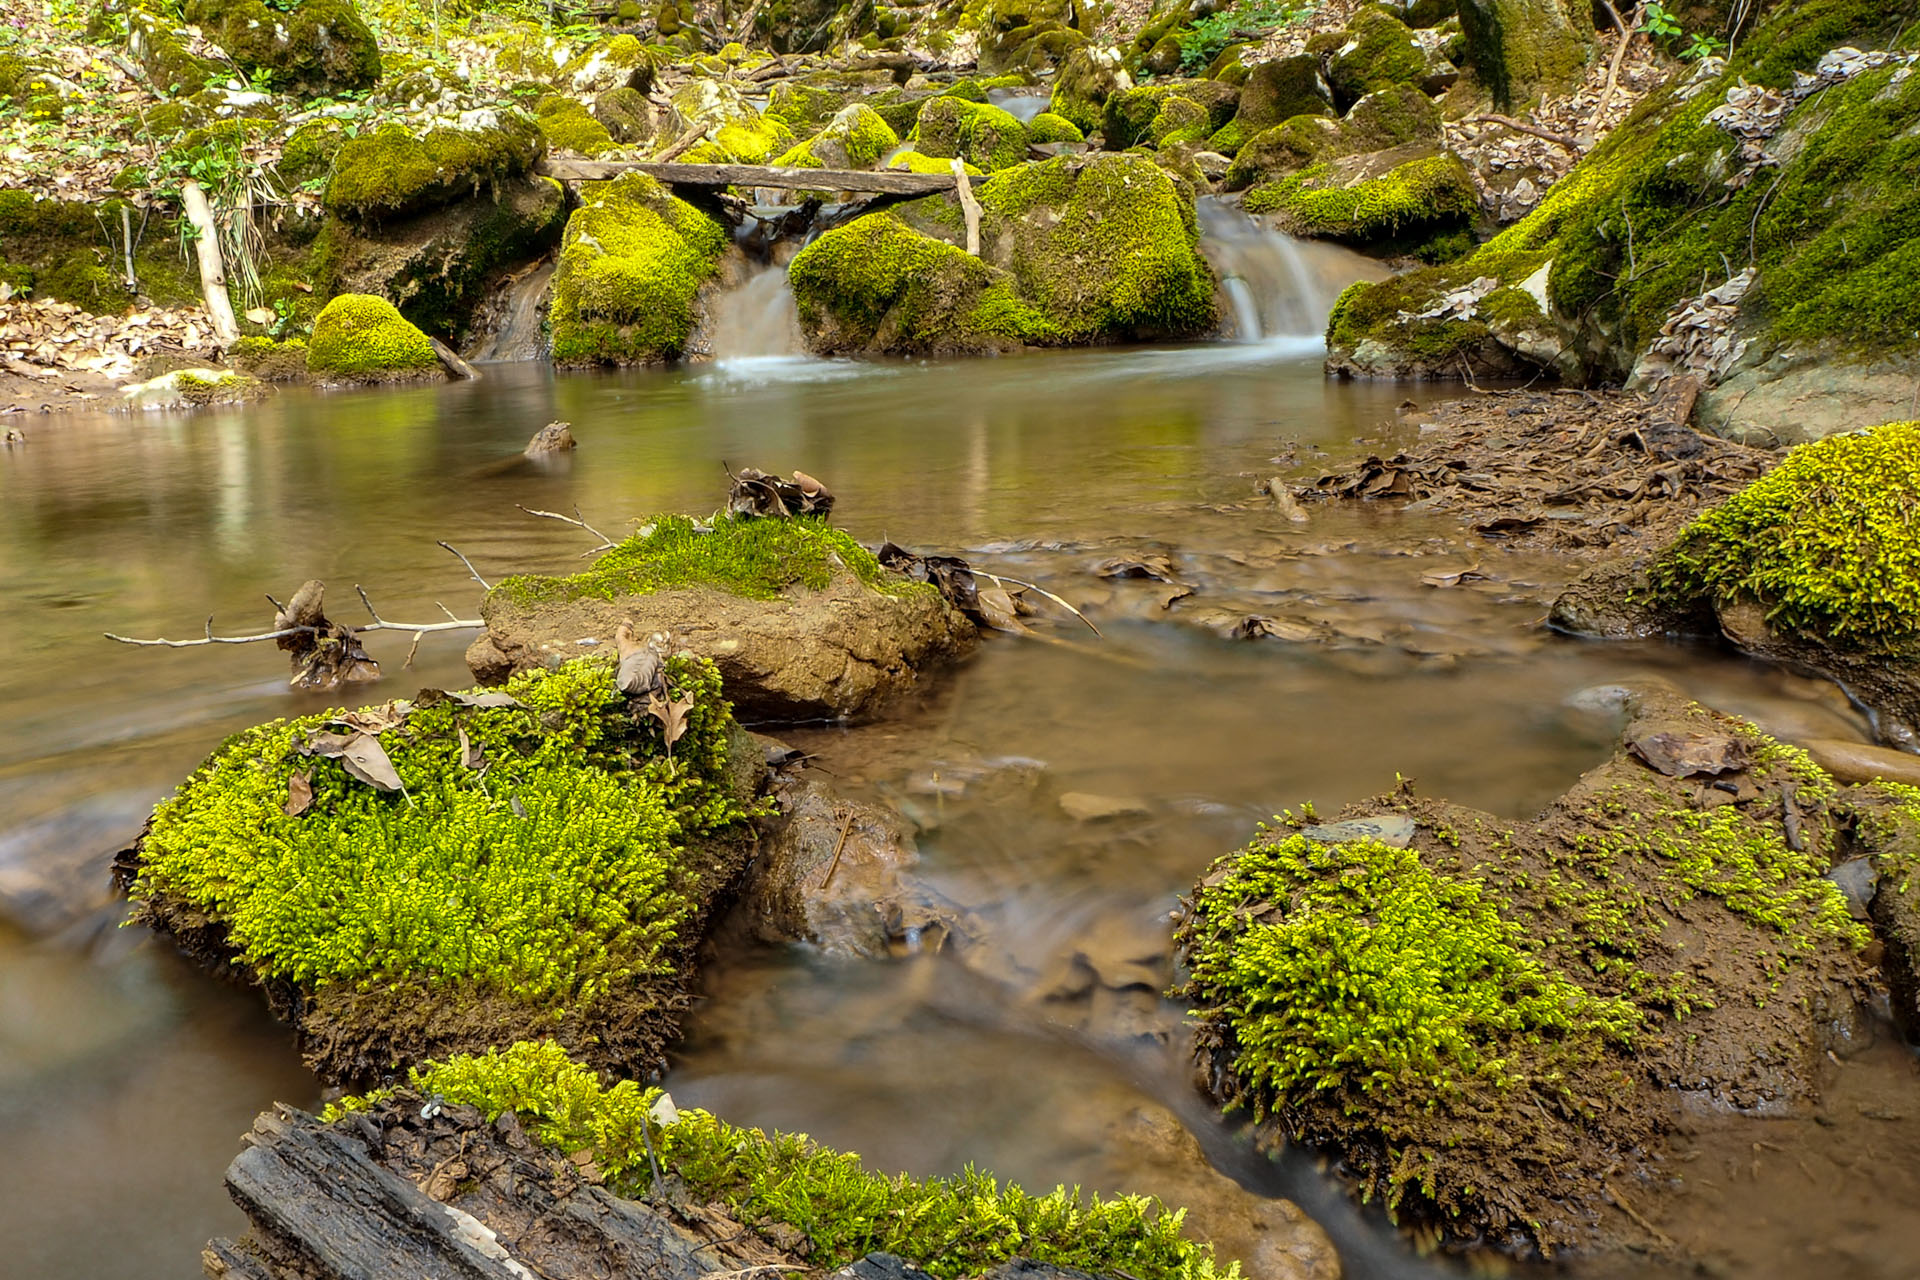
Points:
(299, 795)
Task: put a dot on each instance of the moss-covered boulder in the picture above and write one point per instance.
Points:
(1073, 251)
(459, 871)
(1519, 49)
(1382, 121)
(1047, 127)
(633, 261)
(1424, 206)
(438, 266)
(360, 338)
(977, 132)
(855, 138)
(626, 115)
(1160, 114)
(620, 62)
(1088, 78)
(1274, 93)
(1813, 194)
(55, 249)
(313, 45)
(407, 168)
(164, 51)
(1379, 53)
(567, 125)
(1490, 1024)
(270, 360)
(736, 133)
(1816, 565)
(193, 389)
(801, 620)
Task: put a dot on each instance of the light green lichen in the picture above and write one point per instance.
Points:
(360, 337)
(1827, 542)
(631, 262)
(950, 1227)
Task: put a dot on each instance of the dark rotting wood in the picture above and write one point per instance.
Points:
(750, 175)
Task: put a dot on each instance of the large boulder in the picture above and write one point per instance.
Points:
(1379, 53)
(1390, 118)
(1491, 1025)
(633, 262)
(1274, 93)
(854, 138)
(1772, 226)
(405, 167)
(803, 623)
(320, 46)
(1520, 49)
(1072, 251)
(977, 132)
(360, 338)
(1405, 201)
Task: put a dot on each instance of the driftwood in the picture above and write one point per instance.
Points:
(213, 275)
(969, 207)
(750, 175)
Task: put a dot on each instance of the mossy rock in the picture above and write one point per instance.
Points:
(437, 267)
(165, 54)
(877, 286)
(1484, 1027)
(802, 621)
(560, 890)
(1379, 53)
(1381, 121)
(913, 162)
(977, 132)
(626, 115)
(271, 361)
(1520, 49)
(567, 125)
(314, 45)
(1400, 210)
(1830, 226)
(1135, 116)
(1088, 78)
(527, 52)
(1047, 127)
(57, 250)
(1036, 48)
(307, 155)
(360, 338)
(401, 169)
(804, 107)
(197, 388)
(632, 262)
(1274, 93)
(736, 132)
(620, 62)
(855, 138)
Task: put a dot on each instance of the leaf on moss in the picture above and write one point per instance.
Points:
(299, 795)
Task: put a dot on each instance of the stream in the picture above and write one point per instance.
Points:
(126, 1077)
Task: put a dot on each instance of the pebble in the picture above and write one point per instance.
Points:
(1083, 806)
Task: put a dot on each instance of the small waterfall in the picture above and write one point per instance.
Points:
(1022, 104)
(519, 316)
(1278, 288)
(757, 321)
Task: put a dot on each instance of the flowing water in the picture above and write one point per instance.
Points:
(126, 1078)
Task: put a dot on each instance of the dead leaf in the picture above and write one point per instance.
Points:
(488, 700)
(1681, 755)
(998, 608)
(471, 756)
(260, 315)
(299, 795)
(1157, 567)
(367, 760)
(672, 716)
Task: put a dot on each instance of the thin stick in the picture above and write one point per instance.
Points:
(470, 569)
(575, 520)
(834, 866)
(1619, 56)
(683, 142)
(419, 628)
(1032, 586)
(1519, 126)
(969, 207)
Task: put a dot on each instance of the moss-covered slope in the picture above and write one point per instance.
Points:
(453, 873)
(1484, 1026)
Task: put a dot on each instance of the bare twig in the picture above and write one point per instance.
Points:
(1619, 56)
(470, 569)
(1033, 586)
(606, 543)
(969, 207)
(834, 866)
(683, 142)
(379, 624)
(1521, 126)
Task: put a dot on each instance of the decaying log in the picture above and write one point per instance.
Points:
(750, 175)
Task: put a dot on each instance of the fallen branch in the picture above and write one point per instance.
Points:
(1521, 126)
(606, 543)
(683, 142)
(470, 569)
(1619, 57)
(379, 624)
(969, 207)
(1031, 586)
(213, 278)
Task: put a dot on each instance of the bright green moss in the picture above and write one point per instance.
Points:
(395, 170)
(1828, 541)
(856, 138)
(755, 558)
(876, 280)
(360, 336)
(269, 360)
(311, 44)
(1178, 120)
(567, 125)
(951, 1227)
(547, 876)
(1356, 962)
(914, 162)
(1412, 201)
(1274, 93)
(1379, 53)
(977, 132)
(631, 262)
(1047, 127)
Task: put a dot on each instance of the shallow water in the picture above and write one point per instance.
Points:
(126, 1079)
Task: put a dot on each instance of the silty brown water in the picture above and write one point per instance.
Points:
(125, 1079)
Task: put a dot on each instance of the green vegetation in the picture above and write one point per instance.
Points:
(1421, 200)
(743, 556)
(631, 262)
(1207, 37)
(567, 125)
(357, 336)
(1828, 541)
(1355, 963)
(951, 1227)
(310, 44)
(532, 851)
